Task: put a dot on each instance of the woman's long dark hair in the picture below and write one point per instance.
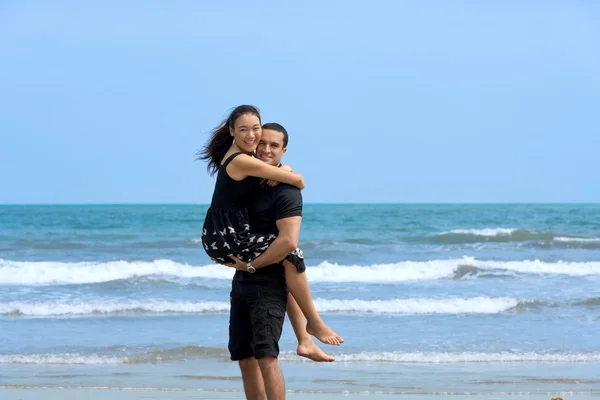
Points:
(220, 141)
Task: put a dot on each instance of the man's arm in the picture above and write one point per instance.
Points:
(286, 242)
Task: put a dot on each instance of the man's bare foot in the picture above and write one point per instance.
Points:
(312, 352)
(324, 334)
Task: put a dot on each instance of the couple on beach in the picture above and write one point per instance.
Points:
(253, 225)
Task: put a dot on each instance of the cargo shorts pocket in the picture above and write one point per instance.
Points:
(276, 312)
(276, 316)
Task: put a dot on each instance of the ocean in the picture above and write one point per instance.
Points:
(455, 299)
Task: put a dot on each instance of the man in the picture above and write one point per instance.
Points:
(259, 299)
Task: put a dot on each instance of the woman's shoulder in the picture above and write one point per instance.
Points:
(230, 156)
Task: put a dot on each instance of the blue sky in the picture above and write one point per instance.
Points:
(385, 101)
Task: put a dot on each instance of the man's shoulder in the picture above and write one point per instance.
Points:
(287, 193)
(285, 189)
(287, 201)
(281, 190)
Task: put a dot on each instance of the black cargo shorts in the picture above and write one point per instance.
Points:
(256, 318)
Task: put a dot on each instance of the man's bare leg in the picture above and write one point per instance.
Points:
(306, 346)
(298, 286)
(254, 386)
(273, 378)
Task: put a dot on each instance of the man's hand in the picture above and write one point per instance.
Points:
(237, 263)
(284, 244)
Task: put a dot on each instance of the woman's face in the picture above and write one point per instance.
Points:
(246, 132)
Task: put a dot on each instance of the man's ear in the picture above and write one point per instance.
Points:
(283, 151)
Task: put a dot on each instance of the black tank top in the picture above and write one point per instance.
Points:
(230, 193)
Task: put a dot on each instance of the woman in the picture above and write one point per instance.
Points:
(226, 229)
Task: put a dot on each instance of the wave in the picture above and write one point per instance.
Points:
(112, 243)
(452, 237)
(61, 359)
(483, 232)
(475, 305)
(459, 236)
(500, 235)
(458, 357)
(50, 272)
(532, 305)
(151, 357)
(469, 271)
(54, 309)
(470, 268)
(594, 301)
(577, 239)
(193, 352)
(61, 273)
(541, 267)
(571, 242)
(92, 243)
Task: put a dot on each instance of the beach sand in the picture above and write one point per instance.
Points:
(219, 379)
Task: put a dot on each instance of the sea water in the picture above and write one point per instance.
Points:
(429, 298)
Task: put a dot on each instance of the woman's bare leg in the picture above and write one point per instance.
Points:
(298, 286)
(306, 346)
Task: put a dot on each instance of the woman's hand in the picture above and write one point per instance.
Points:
(273, 183)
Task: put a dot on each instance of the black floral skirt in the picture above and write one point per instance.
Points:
(227, 232)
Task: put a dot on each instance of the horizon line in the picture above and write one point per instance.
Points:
(306, 203)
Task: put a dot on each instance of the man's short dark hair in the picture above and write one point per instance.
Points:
(274, 126)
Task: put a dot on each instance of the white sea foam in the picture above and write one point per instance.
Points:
(483, 231)
(53, 273)
(479, 305)
(61, 359)
(541, 267)
(476, 305)
(46, 309)
(388, 357)
(49, 272)
(457, 357)
(397, 272)
(575, 239)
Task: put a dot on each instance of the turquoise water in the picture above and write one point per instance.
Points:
(420, 288)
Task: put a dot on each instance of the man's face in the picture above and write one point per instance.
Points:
(270, 147)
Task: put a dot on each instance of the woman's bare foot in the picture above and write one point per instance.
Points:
(324, 334)
(312, 352)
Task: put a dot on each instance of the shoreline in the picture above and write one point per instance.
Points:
(129, 393)
(222, 380)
